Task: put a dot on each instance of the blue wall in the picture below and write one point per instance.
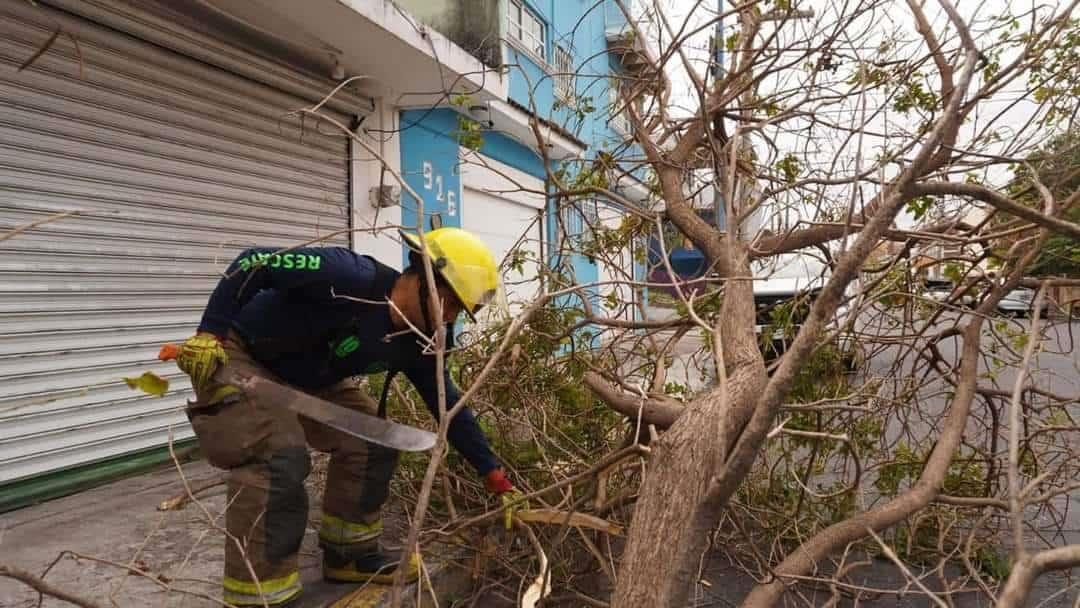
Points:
(579, 26)
(430, 151)
(429, 164)
(431, 167)
(584, 35)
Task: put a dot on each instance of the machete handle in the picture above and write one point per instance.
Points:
(168, 352)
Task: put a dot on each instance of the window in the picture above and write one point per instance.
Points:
(578, 221)
(564, 74)
(524, 27)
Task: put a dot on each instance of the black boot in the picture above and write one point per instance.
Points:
(361, 563)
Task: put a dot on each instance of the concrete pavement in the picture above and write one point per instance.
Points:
(117, 526)
(119, 522)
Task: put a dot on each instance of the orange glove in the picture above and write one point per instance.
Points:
(199, 357)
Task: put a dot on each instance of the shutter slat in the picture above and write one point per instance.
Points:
(175, 167)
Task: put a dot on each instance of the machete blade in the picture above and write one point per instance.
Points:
(358, 424)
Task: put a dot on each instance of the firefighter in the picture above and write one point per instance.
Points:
(316, 318)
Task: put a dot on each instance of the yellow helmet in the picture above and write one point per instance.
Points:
(463, 261)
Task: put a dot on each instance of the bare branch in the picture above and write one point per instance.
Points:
(44, 588)
(654, 409)
(1000, 202)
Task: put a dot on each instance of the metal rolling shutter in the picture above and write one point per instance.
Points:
(506, 225)
(172, 167)
(508, 220)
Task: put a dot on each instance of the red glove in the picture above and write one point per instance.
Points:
(497, 483)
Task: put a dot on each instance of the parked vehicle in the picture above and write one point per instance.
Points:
(1020, 303)
(942, 291)
(784, 288)
(1016, 303)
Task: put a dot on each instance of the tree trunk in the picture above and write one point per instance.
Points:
(669, 532)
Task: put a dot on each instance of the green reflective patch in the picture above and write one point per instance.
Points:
(288, 261)
(347, 346)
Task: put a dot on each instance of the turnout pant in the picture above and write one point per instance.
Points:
(263, 446)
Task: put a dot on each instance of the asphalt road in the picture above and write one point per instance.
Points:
(1055, 367)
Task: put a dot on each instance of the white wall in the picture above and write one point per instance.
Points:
(383, 244)
(619, 266)
(495, 208)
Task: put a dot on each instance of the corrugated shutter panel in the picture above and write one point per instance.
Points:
(172, 167)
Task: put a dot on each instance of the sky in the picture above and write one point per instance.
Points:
(830, 152)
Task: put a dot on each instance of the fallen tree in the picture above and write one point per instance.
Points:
(877, 142)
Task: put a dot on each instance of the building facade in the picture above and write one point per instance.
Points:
(145, 143)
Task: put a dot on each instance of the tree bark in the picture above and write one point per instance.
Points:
(669, 532)
(1002, 203)
(1025, 571)
(657, 410)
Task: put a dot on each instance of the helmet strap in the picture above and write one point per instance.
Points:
(425, 302)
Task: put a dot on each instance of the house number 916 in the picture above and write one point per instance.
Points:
(434, 181)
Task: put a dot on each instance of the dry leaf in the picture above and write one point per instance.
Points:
(149, 383)
(539, 587)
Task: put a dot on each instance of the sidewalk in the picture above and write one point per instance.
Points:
(118, 525)
(119, 522)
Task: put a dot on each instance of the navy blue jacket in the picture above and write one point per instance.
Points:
(286, 308)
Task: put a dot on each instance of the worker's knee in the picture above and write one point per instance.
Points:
(225, 430)
(381, 462)
(287, 502)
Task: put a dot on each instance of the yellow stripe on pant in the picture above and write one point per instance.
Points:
(343, 532)
(272, 591)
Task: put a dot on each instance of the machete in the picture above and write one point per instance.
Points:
(358, 424)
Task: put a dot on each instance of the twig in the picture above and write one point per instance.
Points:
(150, 576)
(211, 520)
(44, 588)
(135, 558)
(899, 564)
(45, 220)
(41, 50)
(178, 501)
(1016, 506)
(609, 460)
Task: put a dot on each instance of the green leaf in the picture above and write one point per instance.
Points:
(953, 272)
(790, 167)
(611, 300)
(469, 133)
(149, 383)
(731, 42)
(918, 206)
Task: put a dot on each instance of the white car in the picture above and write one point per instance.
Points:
(778, 280)
(1019, 302)
(942, 291)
